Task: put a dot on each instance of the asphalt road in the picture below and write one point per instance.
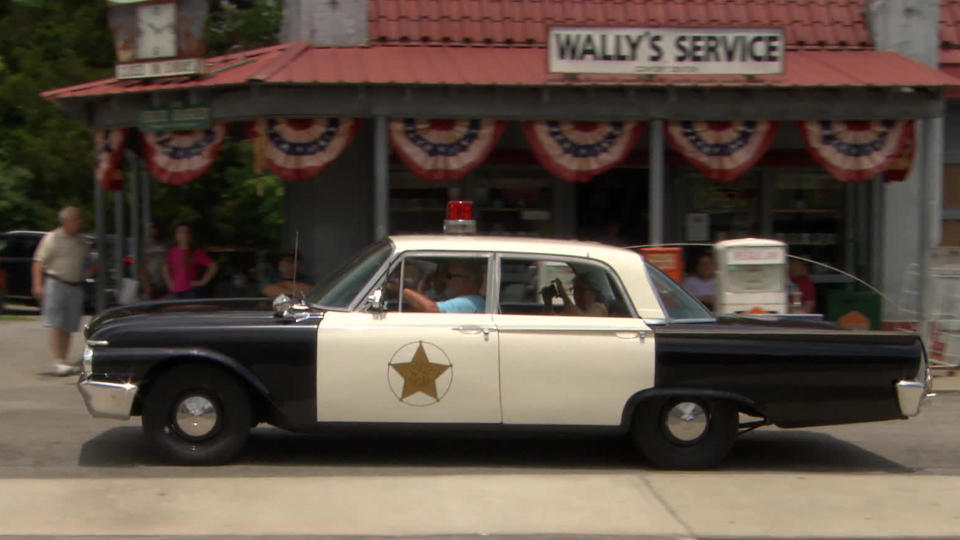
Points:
(888, 479)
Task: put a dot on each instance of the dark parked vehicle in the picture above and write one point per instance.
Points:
(16, 258)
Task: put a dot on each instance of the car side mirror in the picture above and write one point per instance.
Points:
(376, 301)
(281, 304)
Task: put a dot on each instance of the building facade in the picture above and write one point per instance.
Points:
(862, 64)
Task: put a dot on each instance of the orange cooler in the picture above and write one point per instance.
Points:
(667, 259)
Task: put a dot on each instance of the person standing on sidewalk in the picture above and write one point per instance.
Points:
(181, 270)
(57, 279)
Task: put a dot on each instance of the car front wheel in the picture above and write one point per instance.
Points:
(685, 432)
(197, 415)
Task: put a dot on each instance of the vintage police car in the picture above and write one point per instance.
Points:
(365, 347)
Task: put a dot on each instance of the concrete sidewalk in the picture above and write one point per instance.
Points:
(658, 504)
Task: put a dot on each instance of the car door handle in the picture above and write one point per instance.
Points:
(485, 330)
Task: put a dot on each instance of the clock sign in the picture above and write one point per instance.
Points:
(158, 38)
(158, 31)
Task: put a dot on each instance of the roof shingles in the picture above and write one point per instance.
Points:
(500, 42)
(811, 24)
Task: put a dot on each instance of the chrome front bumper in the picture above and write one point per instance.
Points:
(108, 400)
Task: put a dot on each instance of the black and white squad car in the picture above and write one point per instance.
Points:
(472, 330)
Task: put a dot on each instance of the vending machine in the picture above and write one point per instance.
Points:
(751, 276)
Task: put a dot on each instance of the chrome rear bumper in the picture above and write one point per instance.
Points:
(910, 394)
(106, 399)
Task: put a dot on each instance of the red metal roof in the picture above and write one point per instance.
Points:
(299, 63)
(808, 24)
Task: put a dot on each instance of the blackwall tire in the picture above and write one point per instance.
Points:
(197, 415)
(684, 432)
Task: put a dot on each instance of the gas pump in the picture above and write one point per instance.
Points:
(751, 276)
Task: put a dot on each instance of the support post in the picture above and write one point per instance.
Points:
(876, 238)
(135, 229)
(99, 206)
(381, 180)
(656, 190)
(119, 239)
(931, 190)
(146, 196)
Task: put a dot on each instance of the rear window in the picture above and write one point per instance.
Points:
(678, 303)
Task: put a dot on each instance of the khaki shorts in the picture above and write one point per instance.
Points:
(62, 305)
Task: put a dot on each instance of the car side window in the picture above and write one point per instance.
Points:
(447, 284)
(17, 246)
(544, 286)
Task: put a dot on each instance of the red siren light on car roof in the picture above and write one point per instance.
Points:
(460, 218)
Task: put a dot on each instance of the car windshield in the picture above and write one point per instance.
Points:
(343, 286)
(678, 303)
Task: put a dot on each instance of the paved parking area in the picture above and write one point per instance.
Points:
(891, 479)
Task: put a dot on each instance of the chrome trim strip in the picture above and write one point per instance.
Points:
(97, 342)
(909, 396)
(108, 400)
(641, 331)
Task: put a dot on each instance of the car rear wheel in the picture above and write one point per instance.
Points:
(685, 432)
(198, 415)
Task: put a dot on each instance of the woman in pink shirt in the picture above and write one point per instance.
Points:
(182, 266)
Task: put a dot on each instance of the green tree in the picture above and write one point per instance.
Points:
(46, 155)
(46, 45)
(229, 204)
(242, 24)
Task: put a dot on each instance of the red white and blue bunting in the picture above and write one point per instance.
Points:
(443, 149)
(178, 157)
(108, 146)
(578, 151)
(855, 150)
(722, 150)
(299, 148)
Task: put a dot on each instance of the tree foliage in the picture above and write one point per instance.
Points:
(46, 157)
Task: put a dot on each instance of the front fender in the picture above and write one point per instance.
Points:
(141, 365)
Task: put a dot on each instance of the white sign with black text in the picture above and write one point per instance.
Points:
(666, 51)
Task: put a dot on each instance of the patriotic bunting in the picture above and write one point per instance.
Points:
(900, 167)
(108, 145)
(298, 148)
(855, 150)
(578, 151)
(178, 157)
(443, 149)
(722, 150)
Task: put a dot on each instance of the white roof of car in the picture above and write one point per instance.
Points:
(509, 244)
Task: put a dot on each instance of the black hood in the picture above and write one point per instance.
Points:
(220, 306)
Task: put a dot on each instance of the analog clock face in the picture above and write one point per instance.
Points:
(158, 31)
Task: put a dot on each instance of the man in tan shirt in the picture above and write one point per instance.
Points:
(57, 275)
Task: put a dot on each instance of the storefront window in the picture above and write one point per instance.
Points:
(808, 214)
(511, 201)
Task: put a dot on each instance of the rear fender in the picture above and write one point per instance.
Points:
(744, 404)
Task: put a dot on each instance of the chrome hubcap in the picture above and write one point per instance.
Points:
(686, 421)
(196, 416)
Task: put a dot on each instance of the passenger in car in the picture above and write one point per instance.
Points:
(587, 300)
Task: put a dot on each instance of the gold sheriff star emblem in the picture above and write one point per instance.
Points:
(420, 375)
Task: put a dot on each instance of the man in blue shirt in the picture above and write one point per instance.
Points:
(464, 283)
